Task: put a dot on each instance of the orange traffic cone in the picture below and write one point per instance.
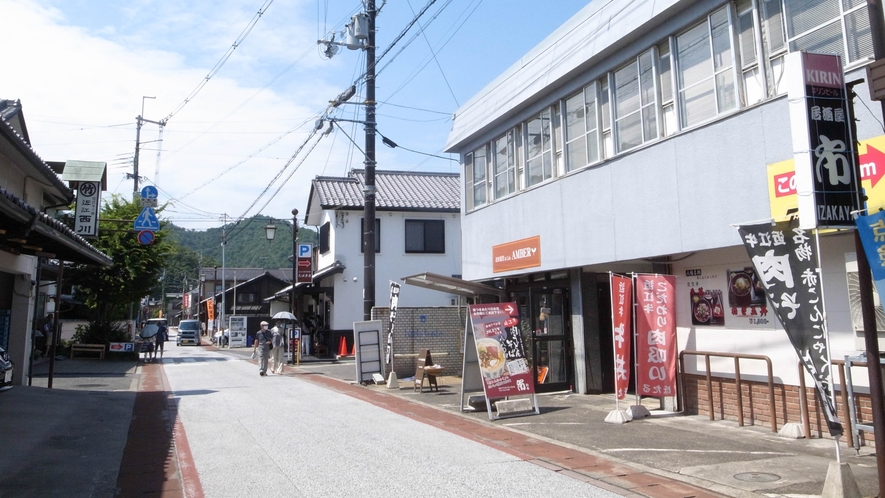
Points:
(342, 347)
(353, 350)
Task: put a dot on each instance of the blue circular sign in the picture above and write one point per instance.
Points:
(149, 192)
(146, 237)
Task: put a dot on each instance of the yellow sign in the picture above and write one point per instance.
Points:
(782, 180)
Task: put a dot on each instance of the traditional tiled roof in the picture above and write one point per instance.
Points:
(395, 190)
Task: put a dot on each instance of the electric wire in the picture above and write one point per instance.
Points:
(224, 58)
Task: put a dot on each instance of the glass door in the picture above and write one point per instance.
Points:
(551, 339)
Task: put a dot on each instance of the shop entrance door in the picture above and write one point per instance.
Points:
(552, 355)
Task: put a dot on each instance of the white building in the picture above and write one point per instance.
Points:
(417, 229)
(633, 139)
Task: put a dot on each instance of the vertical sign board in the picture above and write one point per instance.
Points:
(394, 302)
(823, 149)
(88, 203)
(367, 341)
(305, 264)
(622, 329)
(237, 330)
(656, 335)
(500, 352)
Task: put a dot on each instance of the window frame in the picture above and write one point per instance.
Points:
(325, 234)
(377, 235)
(425, 223)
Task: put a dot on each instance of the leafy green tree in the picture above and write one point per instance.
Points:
(136, 269)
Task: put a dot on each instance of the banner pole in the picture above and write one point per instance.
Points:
(611, 287)
(823, 304)
(633, 333)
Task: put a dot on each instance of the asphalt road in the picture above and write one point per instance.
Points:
(283, 436)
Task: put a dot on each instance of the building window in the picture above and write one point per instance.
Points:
(665, 85)
(635, 102)
(705, 70)
(324, 238)
(753, 86)
(506, 158)
(817, 26)
(377, 235)
(475, 166)
(605, 115)
(539, 143)
(426, 236)
(247, 298)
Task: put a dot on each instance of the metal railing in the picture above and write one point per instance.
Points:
(737, 379)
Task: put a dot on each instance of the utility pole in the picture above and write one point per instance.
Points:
(369, 188)
(362, 27)
(139, 121)
(871, 339)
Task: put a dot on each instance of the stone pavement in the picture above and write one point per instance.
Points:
(71, 440)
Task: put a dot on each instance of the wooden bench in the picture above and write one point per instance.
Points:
(93, 348)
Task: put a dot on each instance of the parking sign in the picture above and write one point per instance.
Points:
(304, 250)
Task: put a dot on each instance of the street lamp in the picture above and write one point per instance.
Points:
(270, 231)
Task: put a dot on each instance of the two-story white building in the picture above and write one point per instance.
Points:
(417, 229)
(633, 139)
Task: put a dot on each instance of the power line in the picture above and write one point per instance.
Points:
(224, 58)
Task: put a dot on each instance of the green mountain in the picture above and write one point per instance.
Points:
(247, 245)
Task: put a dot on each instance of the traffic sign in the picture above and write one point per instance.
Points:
(145, 237)
(147, 220)
(149, 192)
(303, 263)
(304, 250)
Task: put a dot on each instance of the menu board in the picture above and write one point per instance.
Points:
(500, 350)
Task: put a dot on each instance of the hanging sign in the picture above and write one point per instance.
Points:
(655, 335)
(88, 203)
(785, 258)
(622, 309)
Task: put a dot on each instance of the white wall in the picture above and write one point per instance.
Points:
(391, 264)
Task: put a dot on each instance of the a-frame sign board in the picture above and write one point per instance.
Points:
(494, 360)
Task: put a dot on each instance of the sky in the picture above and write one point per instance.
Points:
(237, 140)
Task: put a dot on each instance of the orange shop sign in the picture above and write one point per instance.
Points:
(516, 255)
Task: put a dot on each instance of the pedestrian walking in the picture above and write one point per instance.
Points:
(159, 340)
(278, 351)
(48, 333)
(262, 345)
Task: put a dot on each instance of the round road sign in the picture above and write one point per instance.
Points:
(145, 237)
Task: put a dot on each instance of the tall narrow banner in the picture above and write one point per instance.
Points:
(622, 307)
(500, 350)
(394, 302)
(785, 258)
(656, 335)
(210, 309)
(872, 237)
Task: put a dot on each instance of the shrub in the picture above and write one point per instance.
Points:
(98, 332)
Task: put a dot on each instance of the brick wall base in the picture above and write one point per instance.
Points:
(439, 329)
(756, 408)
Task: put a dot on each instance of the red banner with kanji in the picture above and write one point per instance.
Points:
(622, 308)
(655, 335)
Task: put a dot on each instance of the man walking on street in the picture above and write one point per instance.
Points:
(263, 344)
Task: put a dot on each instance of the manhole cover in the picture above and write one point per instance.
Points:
(66, 438)
(757, 477)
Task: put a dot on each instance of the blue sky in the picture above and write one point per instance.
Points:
(81, 68)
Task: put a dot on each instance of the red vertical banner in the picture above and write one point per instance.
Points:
(655, 335)
(622, 307)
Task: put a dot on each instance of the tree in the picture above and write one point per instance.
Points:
(136, 269)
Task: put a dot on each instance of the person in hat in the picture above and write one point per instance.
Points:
(262, 345)
(277, 353)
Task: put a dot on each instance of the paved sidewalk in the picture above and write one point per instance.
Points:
(71, 440)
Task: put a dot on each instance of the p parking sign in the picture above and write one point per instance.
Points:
(304, 250)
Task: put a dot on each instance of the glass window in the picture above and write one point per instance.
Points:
(705, 75)
(325, 229)
(829, 26)
(478, 176)
(539, 143)
(377, 235)
(665, 82)
(426, 236)
(608, 149)
(754, 89)
(505, 165)
(576, 134)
